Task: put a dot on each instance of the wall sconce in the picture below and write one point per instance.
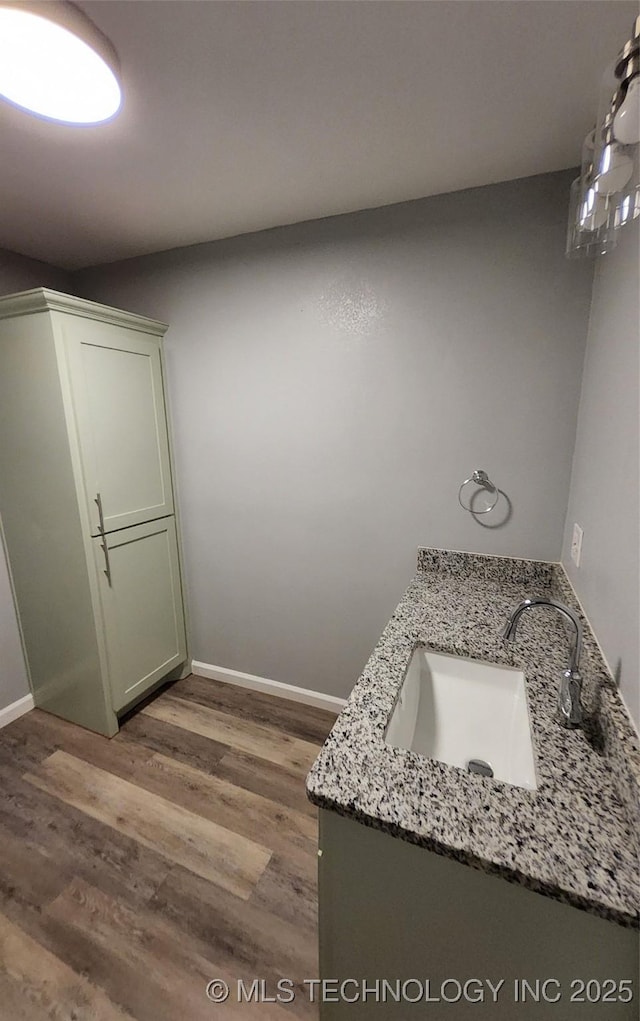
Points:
(606, 195)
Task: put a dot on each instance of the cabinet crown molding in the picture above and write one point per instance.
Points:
(42, 299)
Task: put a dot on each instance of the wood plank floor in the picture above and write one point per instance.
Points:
(133, 871)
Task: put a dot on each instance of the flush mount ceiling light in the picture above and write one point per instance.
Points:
(54, 62)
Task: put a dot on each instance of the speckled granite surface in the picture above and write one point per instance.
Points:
(575, 838)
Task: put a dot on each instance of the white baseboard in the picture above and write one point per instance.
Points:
(16, 709)
(254, 683)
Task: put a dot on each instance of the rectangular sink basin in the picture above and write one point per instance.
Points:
(466, 713)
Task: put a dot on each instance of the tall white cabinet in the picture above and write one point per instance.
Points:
(87, 504)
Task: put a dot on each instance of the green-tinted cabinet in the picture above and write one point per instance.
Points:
(141, 600)
(118, 404)
(87, 504)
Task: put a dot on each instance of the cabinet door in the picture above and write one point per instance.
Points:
(118, 403)
(141, 598)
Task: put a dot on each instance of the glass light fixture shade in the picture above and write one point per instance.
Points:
(589, 230)
(593, 214)
(626, 122)
(614, 169)
(627, 203)
(611, 166)
(588, 156)
(575, 236)
(606, 196)
(55, 63)
(627, 209)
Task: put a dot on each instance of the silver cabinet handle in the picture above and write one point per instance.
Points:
(98, 501)
(107, 570)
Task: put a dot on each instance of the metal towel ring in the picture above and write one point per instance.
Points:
(480, 478)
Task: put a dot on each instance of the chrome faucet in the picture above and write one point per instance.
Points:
(571, 684)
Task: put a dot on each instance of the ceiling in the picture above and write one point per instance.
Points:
(245, 115)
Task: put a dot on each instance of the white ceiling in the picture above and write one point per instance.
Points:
(244, 115)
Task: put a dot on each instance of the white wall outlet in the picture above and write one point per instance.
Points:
(576, 545)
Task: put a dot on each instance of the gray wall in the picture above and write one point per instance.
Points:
(18, 274)
(331, 385)
(604, 497)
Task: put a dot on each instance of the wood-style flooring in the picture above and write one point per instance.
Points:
(135, 870)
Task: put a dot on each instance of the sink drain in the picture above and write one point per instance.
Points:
(479, 766)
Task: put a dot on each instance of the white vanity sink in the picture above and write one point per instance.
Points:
(465, 713)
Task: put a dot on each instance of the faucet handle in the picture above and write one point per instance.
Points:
(571, 714)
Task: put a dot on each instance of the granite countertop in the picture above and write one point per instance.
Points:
(575, 838)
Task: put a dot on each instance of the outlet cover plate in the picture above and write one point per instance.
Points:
(576, 545)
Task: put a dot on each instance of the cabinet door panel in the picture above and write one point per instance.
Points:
(142, 606)
(118, 399)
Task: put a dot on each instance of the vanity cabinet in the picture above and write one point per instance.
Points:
(87, 504)
(455, 942)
